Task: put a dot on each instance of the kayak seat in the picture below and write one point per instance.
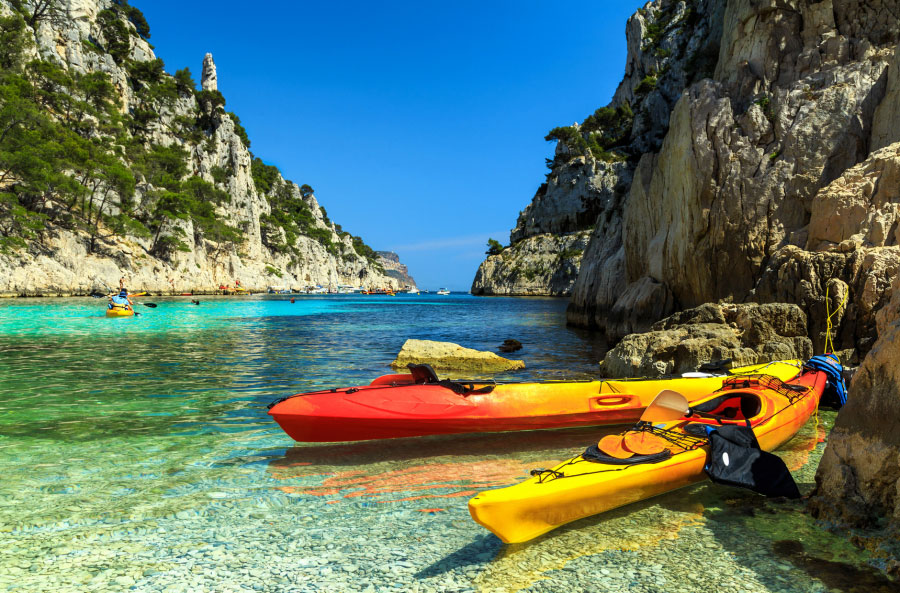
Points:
(594, 454)
(422, 373)
(733, 406)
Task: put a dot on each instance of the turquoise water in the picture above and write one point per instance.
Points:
(137, 454)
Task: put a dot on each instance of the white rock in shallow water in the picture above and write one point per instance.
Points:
(124, 581)
(217, 495)
(447, 356)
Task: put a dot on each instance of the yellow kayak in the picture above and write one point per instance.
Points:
(119, 312)
(651, 459)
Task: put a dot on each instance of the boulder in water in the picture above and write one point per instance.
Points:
(510, 346)
(447, 356)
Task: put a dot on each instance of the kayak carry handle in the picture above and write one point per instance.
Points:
(612, 400)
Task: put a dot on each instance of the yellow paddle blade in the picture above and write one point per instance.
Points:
(667, 405)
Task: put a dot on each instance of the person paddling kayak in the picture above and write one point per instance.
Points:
(121, 301)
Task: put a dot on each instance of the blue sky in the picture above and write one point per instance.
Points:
(420, 125)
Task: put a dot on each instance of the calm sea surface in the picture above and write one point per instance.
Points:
(137, 454)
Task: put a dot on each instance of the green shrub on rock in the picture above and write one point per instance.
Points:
(116, 35)
(494, 247)
(646, 85)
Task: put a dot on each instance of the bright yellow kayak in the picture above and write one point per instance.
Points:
(657, 458)
(119, 312)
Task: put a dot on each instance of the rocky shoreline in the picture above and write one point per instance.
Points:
(236, 226)
(759, 171)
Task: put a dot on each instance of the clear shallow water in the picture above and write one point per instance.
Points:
(136, 454)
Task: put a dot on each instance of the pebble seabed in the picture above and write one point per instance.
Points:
(392, 517)
(225, 505)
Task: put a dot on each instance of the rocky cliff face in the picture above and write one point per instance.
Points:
(858, 479)
(669, 45)
(550, 236)
(64, 261)
(390, 261)
(539, 265)
(737, 202)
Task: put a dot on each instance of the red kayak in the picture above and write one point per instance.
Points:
(420, 404)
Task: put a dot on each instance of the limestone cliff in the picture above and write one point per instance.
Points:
(539, 265)
(736, 203)
(390, 261)
(670, 44)
(97, 37)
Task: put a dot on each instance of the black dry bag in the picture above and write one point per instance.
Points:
(735, 459)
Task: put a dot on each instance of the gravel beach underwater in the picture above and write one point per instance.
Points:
(137, 455)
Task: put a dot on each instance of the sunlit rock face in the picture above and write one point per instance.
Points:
(741, 334)
(62, 264)
(390, 261)
(209, 81)
(585, 193)
(737, 201)
(544, 264)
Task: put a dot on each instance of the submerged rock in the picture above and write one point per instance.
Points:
(447, 356)
(746, 334)
(510, 346)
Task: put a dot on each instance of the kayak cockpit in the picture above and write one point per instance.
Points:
(731, 406)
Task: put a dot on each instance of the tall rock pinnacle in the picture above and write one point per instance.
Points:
(208, 80)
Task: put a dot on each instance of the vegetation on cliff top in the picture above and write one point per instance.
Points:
(495, 247)
(601, 133)
(70, 158)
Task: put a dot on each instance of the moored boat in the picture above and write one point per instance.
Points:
(420, 404)
(649, 459)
